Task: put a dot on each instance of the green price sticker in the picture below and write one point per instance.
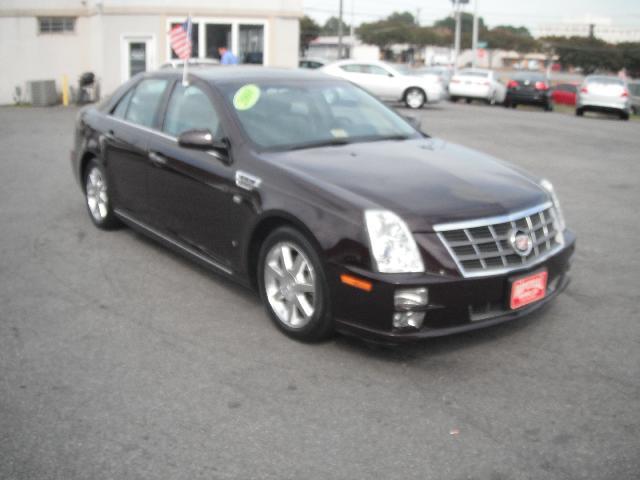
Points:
(246, 97)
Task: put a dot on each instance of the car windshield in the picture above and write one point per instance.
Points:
(294, 115)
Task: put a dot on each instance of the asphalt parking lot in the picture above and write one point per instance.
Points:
(122, 360)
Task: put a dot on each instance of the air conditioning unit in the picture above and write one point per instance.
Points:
(43, 93)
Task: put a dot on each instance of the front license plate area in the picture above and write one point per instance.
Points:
(528, 289)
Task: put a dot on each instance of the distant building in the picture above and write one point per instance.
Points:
(115, 39)
(327, 47)
(603, 28)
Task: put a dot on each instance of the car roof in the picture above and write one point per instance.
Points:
(239, 73)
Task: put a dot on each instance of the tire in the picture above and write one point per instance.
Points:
(468, 100)
(548, 107)
(97, 198)
(624, 115)
(415, 98)
(296, 297)
(453, 99)
(514, 105)
(579, 112)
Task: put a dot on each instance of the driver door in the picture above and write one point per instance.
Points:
(189, 189)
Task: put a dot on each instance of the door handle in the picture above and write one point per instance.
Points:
(157, 158)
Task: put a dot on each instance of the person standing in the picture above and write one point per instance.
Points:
(226, 56)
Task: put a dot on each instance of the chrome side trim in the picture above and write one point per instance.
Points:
(484, 222)
(128, 218)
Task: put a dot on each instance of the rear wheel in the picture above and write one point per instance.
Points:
(579, 112)
(624, 115)
(97, 196)
(293, 286)
(453, 99)
(548, 107)
(415, 98)
(468, 100)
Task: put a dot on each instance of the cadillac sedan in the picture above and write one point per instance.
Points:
(339, 212)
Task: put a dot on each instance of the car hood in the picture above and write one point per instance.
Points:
(425, 181)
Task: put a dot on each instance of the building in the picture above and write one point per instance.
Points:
(327, 47)
(602, 28)
(115, 39)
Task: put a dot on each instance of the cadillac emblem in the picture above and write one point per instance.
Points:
(521, 242)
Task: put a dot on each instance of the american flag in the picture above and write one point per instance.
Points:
(180, 39)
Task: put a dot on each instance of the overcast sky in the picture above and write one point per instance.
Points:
(495, 12)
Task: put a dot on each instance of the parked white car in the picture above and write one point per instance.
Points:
(387, 82)
(477, 84)
(600, 93)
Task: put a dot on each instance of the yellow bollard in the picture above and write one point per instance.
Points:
(65, 91)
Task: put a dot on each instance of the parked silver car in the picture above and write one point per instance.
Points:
(387, 82)
(601, 93)
(634, 91)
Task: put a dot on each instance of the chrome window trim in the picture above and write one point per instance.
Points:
(484, 222)
(181, 246)
(156, 132)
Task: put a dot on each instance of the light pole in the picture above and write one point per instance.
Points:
(474, 41)
(340, 33)
(457, 8)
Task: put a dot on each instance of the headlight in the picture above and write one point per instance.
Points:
(559, 217)
(392, 244)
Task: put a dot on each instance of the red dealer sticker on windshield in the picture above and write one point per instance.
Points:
(528, 289)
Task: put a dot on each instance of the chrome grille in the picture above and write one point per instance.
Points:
(482, 247)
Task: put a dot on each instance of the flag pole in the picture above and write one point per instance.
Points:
(186, 61)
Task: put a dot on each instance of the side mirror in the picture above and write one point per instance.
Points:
(203, 140)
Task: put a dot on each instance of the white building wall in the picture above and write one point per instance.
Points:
(27, 55)
(100, 25)
(284, 43)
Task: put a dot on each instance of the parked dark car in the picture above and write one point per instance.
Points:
(340, 213)
(564, 93)
(634, 92)
(528, 88)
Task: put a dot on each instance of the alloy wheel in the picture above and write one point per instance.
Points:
(290, 284)
(97, 198)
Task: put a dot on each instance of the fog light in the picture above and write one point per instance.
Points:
(408, 319)
(406, 302)
(409, 299)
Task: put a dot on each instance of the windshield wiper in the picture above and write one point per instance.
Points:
(323, 143)
(390, 137)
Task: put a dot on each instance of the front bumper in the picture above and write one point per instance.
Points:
(456, 304)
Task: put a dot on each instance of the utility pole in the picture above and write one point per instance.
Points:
(340, 32)
(456, 11)
(474, 45)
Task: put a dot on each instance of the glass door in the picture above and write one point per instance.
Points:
(251, 44)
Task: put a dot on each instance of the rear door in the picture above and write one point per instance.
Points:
(125, 144)
(190, 190)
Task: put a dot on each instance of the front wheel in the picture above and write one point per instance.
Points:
(579, 112)
(415, 98)
(548, 107)
(97, 196)
(293, 286)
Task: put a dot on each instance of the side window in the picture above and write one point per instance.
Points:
(121, 108)
(190, 109)
(352, 68)
(145, 101)
(375, 70)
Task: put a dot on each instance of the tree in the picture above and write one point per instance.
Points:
(631, 57)
(466, 28)
(506, 37)
(589, 53)
(396, 28)
(331, 27)
(309, 31)
(423, 36)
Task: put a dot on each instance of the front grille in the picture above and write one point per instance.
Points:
(483, 248)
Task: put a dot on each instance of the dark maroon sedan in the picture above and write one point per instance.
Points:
(338, 211)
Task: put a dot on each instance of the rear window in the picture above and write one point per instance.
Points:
(474, 73)
(605, 80)
(532, 77)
